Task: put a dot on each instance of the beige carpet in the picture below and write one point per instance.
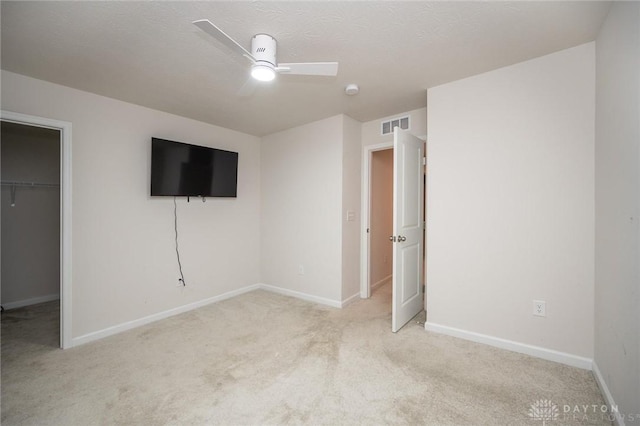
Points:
(263, 358)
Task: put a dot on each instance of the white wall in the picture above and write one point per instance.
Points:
(301, 210)
(310, 181)
(31, 228)
(124, 264)
(381, 226)
(511, 202)
(617, 195)
(372, 130)
(351, 178)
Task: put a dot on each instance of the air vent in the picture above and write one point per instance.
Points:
(388, 126)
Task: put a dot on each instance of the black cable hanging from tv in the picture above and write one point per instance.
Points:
(175, 225)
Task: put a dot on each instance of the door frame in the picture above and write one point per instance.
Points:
(365, 246)
(367, 154)
(64, 128)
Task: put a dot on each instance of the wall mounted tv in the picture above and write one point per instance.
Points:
(180, 169)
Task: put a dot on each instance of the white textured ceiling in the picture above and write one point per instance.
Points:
(149, 53)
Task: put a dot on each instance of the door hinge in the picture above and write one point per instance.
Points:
(424, 289)
(424, 161)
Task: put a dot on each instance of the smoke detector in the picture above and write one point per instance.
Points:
(351, 89)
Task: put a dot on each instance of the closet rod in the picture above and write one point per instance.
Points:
(30, 184)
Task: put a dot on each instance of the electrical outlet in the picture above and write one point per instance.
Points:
(300, 269)
(539, 308)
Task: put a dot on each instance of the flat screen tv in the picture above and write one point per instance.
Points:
(180, 169)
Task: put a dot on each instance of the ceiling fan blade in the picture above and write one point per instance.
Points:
(309, 68)
(215, 32)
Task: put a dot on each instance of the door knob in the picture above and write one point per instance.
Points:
(392, 239)
(401, 238)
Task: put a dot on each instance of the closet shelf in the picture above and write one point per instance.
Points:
(30, 184)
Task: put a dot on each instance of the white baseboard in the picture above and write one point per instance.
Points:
(382, 282)
(109, 331)
(311, 298)
(31, 301)
(523, 348)
(349, 300)
(607, 394)
(303, 296)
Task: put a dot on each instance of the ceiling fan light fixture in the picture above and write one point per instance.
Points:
(262, 56)
(263, 72)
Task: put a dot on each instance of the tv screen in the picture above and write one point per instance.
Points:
(180, 169)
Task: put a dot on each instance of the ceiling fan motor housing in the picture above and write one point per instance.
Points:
(263, 49)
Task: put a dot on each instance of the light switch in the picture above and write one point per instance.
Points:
(351, 215)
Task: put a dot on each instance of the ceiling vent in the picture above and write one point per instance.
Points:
(388, 126)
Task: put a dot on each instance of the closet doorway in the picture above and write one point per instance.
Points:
(36, 232)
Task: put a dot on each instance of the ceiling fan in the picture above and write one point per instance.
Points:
(263, 55)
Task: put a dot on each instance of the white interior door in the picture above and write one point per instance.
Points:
(407, 238)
